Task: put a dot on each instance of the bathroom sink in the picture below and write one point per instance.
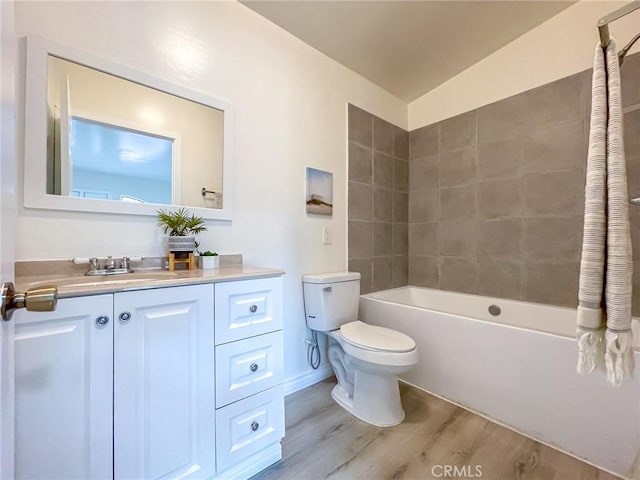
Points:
(91, 282)
(105, 281)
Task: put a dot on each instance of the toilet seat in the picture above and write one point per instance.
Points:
(380, 339)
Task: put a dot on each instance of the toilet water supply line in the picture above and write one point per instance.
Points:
(313, 350)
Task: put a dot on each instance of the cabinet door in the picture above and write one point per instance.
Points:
(164, 379)
(64, 390)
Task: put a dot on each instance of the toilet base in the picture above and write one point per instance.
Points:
(376, 399)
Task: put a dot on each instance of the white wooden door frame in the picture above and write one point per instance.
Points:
(8, 56)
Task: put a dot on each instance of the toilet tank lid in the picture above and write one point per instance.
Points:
(332, 277)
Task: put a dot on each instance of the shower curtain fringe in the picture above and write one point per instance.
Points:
(618, 356)
(590, 349)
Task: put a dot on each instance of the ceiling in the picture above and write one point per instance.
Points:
(407, 47)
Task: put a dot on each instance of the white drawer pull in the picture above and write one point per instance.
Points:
(254, 367)
(255, 426)
(253, 308)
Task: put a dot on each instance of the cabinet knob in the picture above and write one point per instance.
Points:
(255, 426)
(253, 308)
(102, 320)
(125, 316)
(254, 367)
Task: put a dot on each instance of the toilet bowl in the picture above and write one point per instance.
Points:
(367, 372)
(366, 359)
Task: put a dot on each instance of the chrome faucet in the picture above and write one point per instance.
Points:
(110, 265)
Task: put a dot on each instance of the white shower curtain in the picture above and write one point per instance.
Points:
(606, 266)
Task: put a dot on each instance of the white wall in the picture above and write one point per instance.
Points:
(290, 103)
(557, 48)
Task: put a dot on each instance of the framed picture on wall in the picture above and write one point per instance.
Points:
(319, 192)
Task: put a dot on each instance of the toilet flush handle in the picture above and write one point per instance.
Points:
(326, 289)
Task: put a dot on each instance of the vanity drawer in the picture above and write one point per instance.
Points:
(246, 427)
(247, 308)
(248, 366)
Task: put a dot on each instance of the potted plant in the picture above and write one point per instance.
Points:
(208, 260)
(182, 227)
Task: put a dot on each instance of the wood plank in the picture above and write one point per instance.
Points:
(323, 441)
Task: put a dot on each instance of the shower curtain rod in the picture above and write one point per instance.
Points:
(603, 27)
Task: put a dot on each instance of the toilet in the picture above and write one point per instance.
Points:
(366, 359)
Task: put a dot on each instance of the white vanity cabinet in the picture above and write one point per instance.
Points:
(176, 382)
(249, 372)
(164, 383)
(63, 390)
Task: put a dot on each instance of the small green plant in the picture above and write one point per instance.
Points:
(180, 223)
(208, 254)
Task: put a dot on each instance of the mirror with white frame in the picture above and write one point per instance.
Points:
(101, 137)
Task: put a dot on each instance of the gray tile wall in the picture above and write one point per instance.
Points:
(496, 194)
(378, 201)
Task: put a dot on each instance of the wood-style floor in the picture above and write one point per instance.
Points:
(324, 441)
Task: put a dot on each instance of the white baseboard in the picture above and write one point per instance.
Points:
(307, 379)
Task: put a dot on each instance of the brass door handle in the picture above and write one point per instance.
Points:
(40, 299)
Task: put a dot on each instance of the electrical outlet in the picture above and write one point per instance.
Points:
(326, 235)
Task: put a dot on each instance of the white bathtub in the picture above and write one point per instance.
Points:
(518, 369)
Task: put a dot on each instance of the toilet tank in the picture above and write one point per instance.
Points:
(331, 299)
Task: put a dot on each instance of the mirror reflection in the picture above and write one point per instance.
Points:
(114, 139)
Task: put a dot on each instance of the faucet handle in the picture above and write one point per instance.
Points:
(124, 263)
(93, 264)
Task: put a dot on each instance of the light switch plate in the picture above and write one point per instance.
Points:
(326, 235)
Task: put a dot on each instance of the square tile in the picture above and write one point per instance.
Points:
(401, 143)
(548, 238)
(360, 240)
(423, 271)
(360, 163)
(500, 238)
(424, 141)
(423, 238)
(631, 123)
(554, 283)
(500, 277)
(400, 271)
(360, 126)
(400, 207)
(458, 167)
(382, 205)
(458, 202)
(383, 166)
(363, 266)
(503, 158)
(383, 134)
(559, 147)
(630, 80)
(560, 193)
(558, 102)
(382, 239)
(458, 238)
(458, 132)
(459, 274)
(360, 201)
(502, 120)
(423, 206)
(424, 173)
(382, 273)
(500, 198)
(401, 175)
(400, 239)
